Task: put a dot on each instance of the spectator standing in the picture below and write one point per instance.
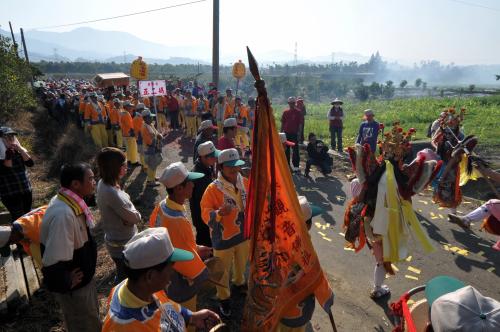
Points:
(302, 107)
(173, 111)
(69, 253)
(119, 216)
(368, 131)
(241, 114)
(292, 122)
(15, 186)
(336, 117)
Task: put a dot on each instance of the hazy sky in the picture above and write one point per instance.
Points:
(408, 30)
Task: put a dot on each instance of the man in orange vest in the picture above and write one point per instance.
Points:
(25, 231)
(138, 122)
(127, 126)
(171, 214)
(222, 209)
(139, 303)
(114, 118)
(190, 108)
(242, 118)
(95, 119)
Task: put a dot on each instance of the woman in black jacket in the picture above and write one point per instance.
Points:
(15, 186)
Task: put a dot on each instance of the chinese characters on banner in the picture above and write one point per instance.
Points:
(152, 88)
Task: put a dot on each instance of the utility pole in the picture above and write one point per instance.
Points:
(13, 38)
(215, 44)
(26, 52)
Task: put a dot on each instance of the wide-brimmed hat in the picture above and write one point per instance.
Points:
(336, 101)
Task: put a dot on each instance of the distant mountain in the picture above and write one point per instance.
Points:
(88, 44)
(97, 45)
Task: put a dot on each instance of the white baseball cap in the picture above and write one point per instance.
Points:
(284, 140)
(291, 99)
(207, 149)
(230, 157)
(465, 309)
(151, 247)
(176, 173)
(308, 210)
(207, 124)
(230, 122)
(4, 235)
(369, 112)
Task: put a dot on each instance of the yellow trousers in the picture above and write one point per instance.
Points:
(284, 328)
(241, 139)
(197, 123)
(182, 120)
(191, 305)
(99, 135)
(237, 257)
(191, 126)
(162, 121)
(119, 138)
(131, 146)
(220, 128)
(111, 141)
(140, 151)
(151, 172)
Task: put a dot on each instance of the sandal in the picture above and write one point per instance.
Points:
(379, 292)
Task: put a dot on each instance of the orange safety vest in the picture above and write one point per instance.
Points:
(168, 214)
(114, 116)
(30, 226)
(138, 122)
(92, 115)
(242, 114)
(226, 231)
(194, 106)
(126, 123)
(162, 315)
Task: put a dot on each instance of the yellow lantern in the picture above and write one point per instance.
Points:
(239, 70)
(139, 69)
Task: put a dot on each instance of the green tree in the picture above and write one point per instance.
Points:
(362, 92)
(471, 87)
(418, 82)
(388, 90)
(375, 89)
(403, 84)
(15, 74)
(424, 85)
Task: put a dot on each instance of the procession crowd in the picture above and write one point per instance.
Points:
(161, 270)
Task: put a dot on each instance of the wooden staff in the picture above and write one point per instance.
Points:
(332, 321)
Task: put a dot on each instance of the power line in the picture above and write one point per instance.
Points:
(472, 4)
(120, 16)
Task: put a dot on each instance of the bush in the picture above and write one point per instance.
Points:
(15, 73)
